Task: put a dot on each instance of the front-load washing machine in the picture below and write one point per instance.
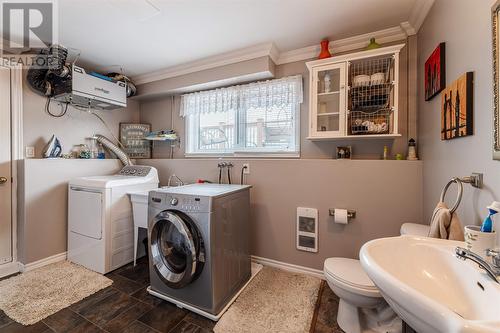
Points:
(199, 248)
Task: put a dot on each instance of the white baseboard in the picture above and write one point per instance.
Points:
(42, 262)
(9, 269)
(260, 260)
(289, 267)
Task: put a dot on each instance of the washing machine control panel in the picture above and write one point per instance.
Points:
(135, 170)
(183, 203)
(192, 204)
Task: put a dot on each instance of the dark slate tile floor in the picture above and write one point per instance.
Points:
(126, 307)
(325, 320)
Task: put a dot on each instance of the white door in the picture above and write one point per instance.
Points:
(5, 169)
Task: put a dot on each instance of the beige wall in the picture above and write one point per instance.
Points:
(157, 112)
(384, 194)
(73, 128)
(43, 201)
(465, 26)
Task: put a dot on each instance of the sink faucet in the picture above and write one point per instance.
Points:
(177, 179)
(493, 269)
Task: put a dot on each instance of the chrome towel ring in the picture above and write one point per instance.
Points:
(459, 194)
(476, 180)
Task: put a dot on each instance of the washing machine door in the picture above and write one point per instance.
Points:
(177, 248)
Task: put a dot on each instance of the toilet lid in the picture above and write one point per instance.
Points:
(349, 271)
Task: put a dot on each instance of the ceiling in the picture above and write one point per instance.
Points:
(144, 36)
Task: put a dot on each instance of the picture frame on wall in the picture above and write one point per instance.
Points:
(495, 28)
(132, 137)
(457, 108)
(435, 72)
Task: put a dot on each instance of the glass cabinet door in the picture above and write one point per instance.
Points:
(328, 104)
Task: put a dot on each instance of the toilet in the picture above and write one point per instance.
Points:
(362, 308)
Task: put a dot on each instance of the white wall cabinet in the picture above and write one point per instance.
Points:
(355, 96)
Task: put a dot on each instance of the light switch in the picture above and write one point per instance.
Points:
(30, 152)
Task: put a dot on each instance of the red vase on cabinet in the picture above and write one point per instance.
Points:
(325, 52)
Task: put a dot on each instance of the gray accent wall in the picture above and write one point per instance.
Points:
(384, 194)
(465, 26)
(163, 114)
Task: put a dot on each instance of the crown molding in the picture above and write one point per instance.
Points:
(408, 28)
(390, 35)
(418, 14)
(274, 54)
(344, 45)
(253, 52)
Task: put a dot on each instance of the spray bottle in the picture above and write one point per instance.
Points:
(493, 209)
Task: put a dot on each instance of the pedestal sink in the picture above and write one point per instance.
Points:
(431, 289)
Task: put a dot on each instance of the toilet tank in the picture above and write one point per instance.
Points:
(414, 229)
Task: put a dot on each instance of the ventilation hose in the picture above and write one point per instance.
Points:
(56, 60)
(122, 156)
(50, 65)
(37, 77)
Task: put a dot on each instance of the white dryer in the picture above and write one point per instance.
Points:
(100, 220)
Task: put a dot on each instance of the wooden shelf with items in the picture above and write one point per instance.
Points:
(355, 96)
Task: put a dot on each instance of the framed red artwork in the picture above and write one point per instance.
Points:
(435, 72)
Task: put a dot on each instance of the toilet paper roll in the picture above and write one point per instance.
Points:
(341, 216)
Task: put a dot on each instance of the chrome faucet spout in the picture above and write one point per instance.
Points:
(492, 271)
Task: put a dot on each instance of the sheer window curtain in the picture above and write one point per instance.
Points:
(266, 94)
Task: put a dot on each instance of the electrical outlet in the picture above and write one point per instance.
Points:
(246, 171)
(29, 152)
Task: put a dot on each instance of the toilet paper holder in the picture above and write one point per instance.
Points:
(351, 214)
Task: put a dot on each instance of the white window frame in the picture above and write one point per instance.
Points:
(192, 126)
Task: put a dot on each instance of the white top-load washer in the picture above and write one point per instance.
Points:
(100, 220)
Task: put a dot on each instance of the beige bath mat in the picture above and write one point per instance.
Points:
(30, 297)
(275, 301)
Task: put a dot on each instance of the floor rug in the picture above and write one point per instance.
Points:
(32, 296)
(275, 301)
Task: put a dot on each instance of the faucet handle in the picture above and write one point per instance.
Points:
(495, 256)
(492, 252)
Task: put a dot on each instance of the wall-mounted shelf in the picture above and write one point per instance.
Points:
(355, 96)
(328, 114)
(329, 93)
(356, 137)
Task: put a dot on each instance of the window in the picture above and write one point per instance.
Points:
(255, 119)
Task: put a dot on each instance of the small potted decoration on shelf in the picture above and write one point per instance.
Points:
(325, 51)
(373, 44)
(412, 151)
